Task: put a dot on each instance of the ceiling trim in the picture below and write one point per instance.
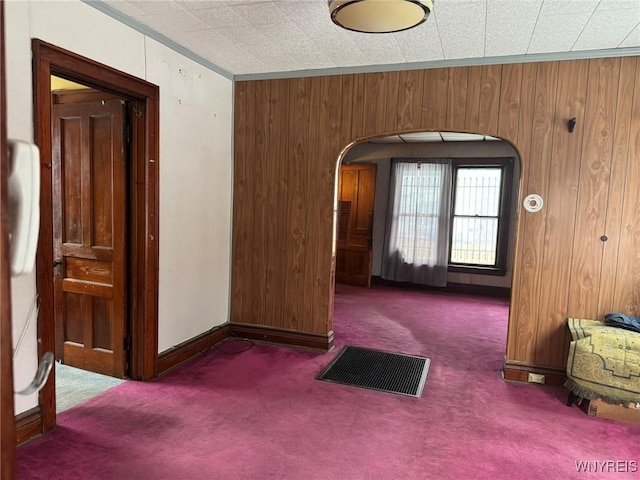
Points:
(458, 62)
(158, 37)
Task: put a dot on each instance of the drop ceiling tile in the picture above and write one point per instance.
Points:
(459, 11)
(573, 23)
(220, 17)
(205, 42)
(242, 34)
(169, 23)
(463, 41)
(341, 50)
(123, 7)
(546, 43)
(155, 7)
(509, 26)
(421, 137)
(241, 2)
(461, 137)
(608, 28)
(378, 49)
(289, 38)
(260, 13)
(618, 5)
(422, 43)
(461, 26)
(562, 7)
(191, 5)
(304, 11)
(633, 39)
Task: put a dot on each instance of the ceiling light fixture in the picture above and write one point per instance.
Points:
(379, 16)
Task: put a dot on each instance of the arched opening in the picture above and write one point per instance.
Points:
(482, 185)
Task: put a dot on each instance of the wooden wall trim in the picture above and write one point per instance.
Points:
(7, 425)
(484, 290)
(278, 336)
(144, 239)
(519, 372)
(188, 349)
(28, 425)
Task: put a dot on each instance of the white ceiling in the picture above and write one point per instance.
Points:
(433, 137)
(261, 37)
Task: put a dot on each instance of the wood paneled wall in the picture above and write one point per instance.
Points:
(289, 134)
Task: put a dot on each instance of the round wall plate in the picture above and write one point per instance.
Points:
(533, 203)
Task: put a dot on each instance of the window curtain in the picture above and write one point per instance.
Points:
(416, 249)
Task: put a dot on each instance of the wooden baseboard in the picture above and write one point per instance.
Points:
(483, 290)
(28, 425)
(188, 349)
(519, 372)
(313, 341)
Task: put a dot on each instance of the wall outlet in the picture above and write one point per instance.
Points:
(536, 378)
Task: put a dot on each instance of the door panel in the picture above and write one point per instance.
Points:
(89, 216)
(357, 184)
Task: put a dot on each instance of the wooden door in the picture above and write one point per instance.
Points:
(89, 218)
(356, 191)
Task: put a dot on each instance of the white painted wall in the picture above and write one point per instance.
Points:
(195, 164)
(381, 155)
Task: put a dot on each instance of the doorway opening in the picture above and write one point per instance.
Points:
(476, 255)
(97, 253)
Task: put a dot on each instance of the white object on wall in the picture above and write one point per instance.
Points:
(24, 206)
(533, 203)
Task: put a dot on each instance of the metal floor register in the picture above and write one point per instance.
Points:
(378, 370)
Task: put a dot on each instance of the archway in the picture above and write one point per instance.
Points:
(469, 154)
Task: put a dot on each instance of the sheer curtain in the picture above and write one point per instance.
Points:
(416, 249)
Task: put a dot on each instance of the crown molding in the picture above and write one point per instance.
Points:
(458, 62)
(158, 37)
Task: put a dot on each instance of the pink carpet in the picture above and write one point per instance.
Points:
(262, 415)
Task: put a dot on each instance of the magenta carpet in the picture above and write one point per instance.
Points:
(261, 414)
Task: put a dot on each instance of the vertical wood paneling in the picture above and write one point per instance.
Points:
(434, 99)
(533, 224)
(627, 293)
(509, 114)
(347, 95)
(393, 88)
(474, 86)
(313, 206)
(528, 104)
(297, 180)
(375, 110)
(328, 149)
(523, 142)
(276, 194)
(239, 234)
(489, 99)
(249, 201)
(457, 98)
(560, 205)
(358, 106)
(261, 226)
(410, 99)
(617, 188)
(593, 188)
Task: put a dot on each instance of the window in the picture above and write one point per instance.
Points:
(479, 229)
(419, 212)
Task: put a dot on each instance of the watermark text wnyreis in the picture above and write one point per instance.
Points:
(607, 466)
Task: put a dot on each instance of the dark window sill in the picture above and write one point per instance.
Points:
(501, 272)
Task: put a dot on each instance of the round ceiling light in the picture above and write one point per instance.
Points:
(379, 16)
